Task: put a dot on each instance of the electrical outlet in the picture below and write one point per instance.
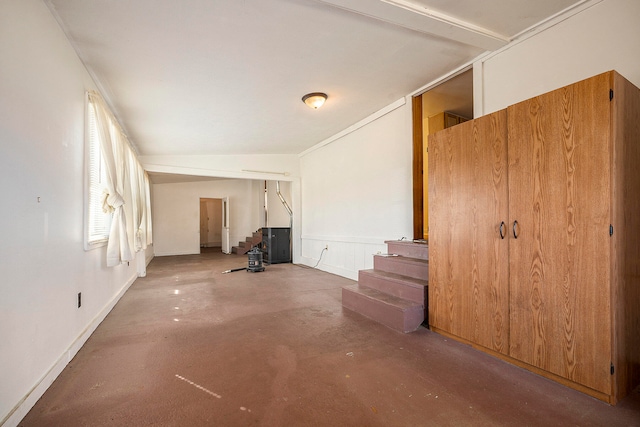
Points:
(79, 299)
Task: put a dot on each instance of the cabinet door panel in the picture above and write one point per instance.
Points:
(560, 195)
(468, 266)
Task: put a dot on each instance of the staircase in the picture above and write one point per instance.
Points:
(250, 242)
(394, 292)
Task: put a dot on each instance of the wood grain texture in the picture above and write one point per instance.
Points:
(560, 195)
(573, 290)
(425, 187)
(626, 237)
(468, 275)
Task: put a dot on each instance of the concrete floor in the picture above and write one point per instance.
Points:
(189, 346)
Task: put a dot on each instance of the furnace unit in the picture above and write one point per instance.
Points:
(276, 244)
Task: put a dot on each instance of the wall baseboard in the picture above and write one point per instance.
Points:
(177, 253)
(23, 407)
(339, 271)
(346, 255)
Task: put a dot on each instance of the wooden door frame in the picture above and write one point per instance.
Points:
(214, 217)
(418, 169)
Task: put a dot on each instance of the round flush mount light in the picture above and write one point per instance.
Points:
(315, 100)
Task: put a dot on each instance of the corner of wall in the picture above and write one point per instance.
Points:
(23, 407)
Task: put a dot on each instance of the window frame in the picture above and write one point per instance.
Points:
(92, 200)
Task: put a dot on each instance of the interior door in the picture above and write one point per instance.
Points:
(468, 266)
(204, 222)
(559, 207)
(210, 222)
(226, 241)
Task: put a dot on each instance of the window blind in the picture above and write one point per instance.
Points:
(99, 222)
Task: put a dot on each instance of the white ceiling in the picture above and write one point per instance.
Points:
(227, 76)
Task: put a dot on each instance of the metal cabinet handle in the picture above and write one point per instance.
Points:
(515, 226)
(502, 224)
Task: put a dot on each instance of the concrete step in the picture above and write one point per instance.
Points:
(408, 248)
(400, 286)
(396, 313)
(412, 267)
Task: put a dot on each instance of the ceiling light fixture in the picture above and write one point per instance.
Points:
(315, 99)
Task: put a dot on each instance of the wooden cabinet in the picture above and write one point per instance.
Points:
(435, 123)
(560, 194)
(559, 293)
(468, 268)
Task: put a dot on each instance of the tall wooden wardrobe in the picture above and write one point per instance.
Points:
(534, 244)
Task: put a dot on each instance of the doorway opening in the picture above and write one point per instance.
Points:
(445, 105)
(210, 224)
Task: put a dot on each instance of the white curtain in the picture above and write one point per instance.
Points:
(140, 205)
(147, 212)
(126, 189)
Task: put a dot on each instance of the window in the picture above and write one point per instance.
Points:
(116, 182)
(98, 222)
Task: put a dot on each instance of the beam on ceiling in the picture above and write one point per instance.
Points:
(408, 15)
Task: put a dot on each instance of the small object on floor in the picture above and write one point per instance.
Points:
(255, 260)
(234, 269)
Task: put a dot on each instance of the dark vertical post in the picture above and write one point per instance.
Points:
(418, 181)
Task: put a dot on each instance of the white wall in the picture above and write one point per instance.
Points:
(603, 37)
(43, 265)
(277, 213)
(253, 168)
(357, 192)
(354, 191)
(176, 212)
